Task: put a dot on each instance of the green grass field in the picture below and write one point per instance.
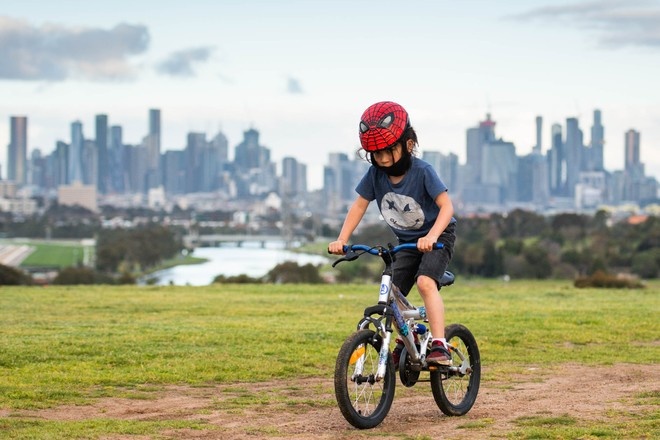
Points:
(72, 345)
(56, 254)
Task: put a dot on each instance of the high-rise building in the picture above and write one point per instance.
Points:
(249, 154)
(90, 163)
(61, 164)
(557, 162)
(136, 160)
(294, 177)
(116, 160)
(633, 169)
(499, 169)
(17, 150)
(103, 161)
(631, 145)
(75, 172)
(573, 148)
(533, 182)
(539, 135)
(195, 146)
(151, 143)
(154, 122)
(477, 137)
(446, 166)
(597, 143)
(174, 172)
(214, 161)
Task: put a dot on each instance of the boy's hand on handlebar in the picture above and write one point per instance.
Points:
(337, 247)
(425, 244)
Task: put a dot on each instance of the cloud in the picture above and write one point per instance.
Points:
(56, 53)
(293, 86)
(181, 63)
(618, 23)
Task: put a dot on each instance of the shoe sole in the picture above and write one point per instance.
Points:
(445, 363)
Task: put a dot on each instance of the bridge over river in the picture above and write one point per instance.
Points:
(217, 240)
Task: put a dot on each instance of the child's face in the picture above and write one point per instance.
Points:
(388, 156)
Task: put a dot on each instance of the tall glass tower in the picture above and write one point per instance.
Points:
(101, 141)
(75, 153)
(17, 150)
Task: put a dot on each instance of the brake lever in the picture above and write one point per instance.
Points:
(350, 256)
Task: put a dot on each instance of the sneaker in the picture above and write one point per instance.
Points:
(396, 353)
(439, 354)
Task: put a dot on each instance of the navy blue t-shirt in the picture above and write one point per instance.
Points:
(409, 206)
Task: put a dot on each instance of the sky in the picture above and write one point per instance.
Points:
(302, 72)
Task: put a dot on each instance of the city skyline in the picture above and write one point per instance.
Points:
(571, 174)
(303, 73)
(153, 128)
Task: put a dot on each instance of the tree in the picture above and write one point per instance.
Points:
(519, 223)
(493, 264)
(647, 264)
(291, 272)
(538, 262)
(11, 276)
(135, 249)
(81, 275)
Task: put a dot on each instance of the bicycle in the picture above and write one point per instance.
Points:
(365, 373)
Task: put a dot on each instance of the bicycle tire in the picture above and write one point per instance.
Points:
(363, 403)
(455, 393)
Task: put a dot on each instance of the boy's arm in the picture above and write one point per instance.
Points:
(352, 220)
(425, 244)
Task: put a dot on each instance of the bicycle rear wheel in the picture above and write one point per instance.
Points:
(455, 392)
(363, 401)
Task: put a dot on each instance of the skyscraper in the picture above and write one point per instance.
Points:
(116, 162)
(557, 162)
(597, 143)
(103, 162)
(573, 149)
(151, 143)
(539, 134)
(633, 173)
(631, 149)
(17, 150)
(477, 137)
(75, 173)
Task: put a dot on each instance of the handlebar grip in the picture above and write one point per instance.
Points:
(344, 249)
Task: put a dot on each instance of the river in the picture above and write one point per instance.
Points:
(249, 259)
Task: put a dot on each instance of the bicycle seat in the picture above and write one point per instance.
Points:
(447, 279)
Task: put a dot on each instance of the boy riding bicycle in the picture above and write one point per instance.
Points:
(416, 206)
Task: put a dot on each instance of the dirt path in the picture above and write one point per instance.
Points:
(306, 409)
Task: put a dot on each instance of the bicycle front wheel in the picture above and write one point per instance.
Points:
(455, 390)
(363, 400)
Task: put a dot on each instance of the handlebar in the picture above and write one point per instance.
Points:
(385, 252)
(378, 250)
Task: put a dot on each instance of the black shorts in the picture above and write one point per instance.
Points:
(411, 263)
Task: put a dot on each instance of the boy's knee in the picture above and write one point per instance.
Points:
(426, 284)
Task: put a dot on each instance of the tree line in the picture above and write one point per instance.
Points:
(518, 244)
(523, 244)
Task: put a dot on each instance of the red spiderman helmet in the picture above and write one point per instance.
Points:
(382, 125)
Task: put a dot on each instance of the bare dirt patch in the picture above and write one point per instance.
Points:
(306, 409)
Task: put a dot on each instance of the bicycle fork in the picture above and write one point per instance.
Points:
(384, 330)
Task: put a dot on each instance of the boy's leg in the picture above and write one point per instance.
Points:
(430, 272)
(435, 308)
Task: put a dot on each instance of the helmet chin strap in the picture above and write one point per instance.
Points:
(400, 167)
